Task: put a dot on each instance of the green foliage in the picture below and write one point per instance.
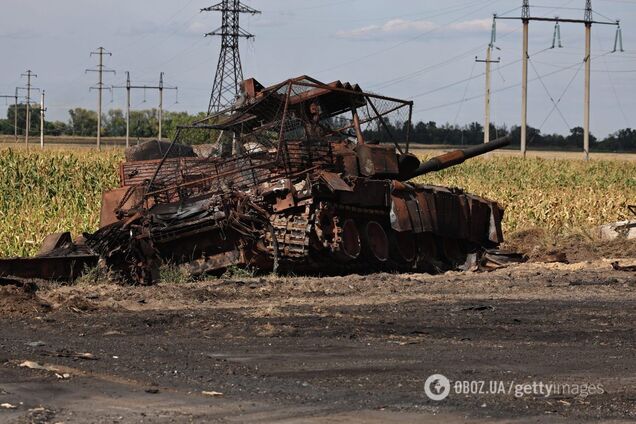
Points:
(145, 124)
(92, 276)
(7, 125)
(83, 122)
(115, 123)
(51, 191)
(234, 271)
(55, 191)
(473, 133)
(170, 273)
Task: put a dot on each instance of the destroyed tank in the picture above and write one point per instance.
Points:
(303, 177)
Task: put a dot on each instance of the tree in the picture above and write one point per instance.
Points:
(83, 122)
(575, 139)
(115, 123)
(34, 117)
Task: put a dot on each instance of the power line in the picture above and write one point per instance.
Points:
(427, 68)
(435, 90)
(508, 87)
(383, 50)
(567, 87)
(160, 87)
(556, 106)
(611, 81)
(147, 34)
(472, 70)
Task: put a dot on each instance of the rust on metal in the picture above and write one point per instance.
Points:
(301, 176)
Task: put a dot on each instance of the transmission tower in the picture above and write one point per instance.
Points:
(229, 72)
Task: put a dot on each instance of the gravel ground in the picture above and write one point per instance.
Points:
(337, 349)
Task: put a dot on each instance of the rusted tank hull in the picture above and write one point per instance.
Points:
(339, 226)
(300, 182)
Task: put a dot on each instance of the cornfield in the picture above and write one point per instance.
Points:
(54, 191)
(560, 196)
(51, 191)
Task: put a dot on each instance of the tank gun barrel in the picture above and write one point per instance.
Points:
(456, 157)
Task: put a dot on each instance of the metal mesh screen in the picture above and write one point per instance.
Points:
(282, 130)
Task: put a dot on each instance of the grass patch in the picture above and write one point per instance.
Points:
(234, 271)
(94, 276)
(170, 273)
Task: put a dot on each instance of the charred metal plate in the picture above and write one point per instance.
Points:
(414, 213)
(426, 208)
(479, 219)
(447, 210)
(400, 217)
(112, 199)
(495, 233)
(367, 193)
(283, 203)
(216, 262)
(464, 216)
(64, 268)
(345, 159)
(54, 241)
(377, 160)
(334, 182)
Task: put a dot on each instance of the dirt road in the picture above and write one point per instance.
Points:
(341, 349)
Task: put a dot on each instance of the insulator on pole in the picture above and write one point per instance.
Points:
(556, 37)
(618, 40)
(493, 33)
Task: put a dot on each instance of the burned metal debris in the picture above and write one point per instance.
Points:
(302, 176)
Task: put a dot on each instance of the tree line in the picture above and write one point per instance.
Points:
(144, 124)
(83, 122)
(623, 140)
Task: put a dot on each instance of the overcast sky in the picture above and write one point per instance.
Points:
(415, 49)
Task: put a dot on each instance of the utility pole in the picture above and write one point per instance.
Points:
(15, 116)
(488, 62)
(28, 76)
(588, 20)
(15, 112)
(42, 120)
(160, 103)
(525, 19)
(127, 109)
(229, 72)
(129, 87)
(588, 69)
(101, 52)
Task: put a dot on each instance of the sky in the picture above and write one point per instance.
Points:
(422, 50)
